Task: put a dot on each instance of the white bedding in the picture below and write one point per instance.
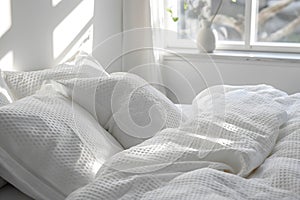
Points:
(50, 146)
(237, 143)
(212, 154)
(9, 192)
(127, 106)
(22, 84)
(186, 109)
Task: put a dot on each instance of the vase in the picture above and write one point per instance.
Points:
(206, 41)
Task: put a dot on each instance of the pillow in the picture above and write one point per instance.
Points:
(50, 146)
(23, 84)
(5, 94)
(126, 105)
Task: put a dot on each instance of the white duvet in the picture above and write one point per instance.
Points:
(241, 143)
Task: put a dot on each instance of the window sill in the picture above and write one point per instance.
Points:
(193, 54)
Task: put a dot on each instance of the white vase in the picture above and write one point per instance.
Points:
(206, 41)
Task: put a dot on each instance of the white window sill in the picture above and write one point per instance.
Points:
(193, 54)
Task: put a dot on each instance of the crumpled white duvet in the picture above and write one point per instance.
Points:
(243, 143)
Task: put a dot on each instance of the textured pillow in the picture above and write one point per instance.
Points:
(23, 84)
(5, 94)
(126, 105)
(50, 146)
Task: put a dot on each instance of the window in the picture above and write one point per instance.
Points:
(252, 25)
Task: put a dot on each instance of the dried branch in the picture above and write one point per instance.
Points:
(286, 30)
(271, 11)
(231, 22)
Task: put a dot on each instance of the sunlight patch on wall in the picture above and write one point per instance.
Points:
(55, 2)
(5, 16)
(85, 43)
(71, 26)
(7, 62)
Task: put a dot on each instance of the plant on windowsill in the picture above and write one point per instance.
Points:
(206, 41)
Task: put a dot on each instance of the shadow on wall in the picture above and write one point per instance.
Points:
(39, 34)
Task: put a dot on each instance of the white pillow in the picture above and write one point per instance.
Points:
(5, 94)
(126, 105)
(50, 146)
(23, 84)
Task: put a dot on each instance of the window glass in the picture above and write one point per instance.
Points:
(230, 20)
(228, 23)
(278, 21)
(251, 25)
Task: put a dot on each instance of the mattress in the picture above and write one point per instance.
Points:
(9, 192)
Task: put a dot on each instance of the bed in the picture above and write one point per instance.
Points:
(76, 132)
(8, 192)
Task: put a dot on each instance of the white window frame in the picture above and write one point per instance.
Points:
(249, 44)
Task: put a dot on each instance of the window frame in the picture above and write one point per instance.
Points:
(249, 43)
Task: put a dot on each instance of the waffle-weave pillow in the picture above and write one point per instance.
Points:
(23, 84)
(50, 146)
(126, 105)
(5, 94)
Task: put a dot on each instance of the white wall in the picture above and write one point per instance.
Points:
(107, 45)
(186, 80)
(28, 44)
